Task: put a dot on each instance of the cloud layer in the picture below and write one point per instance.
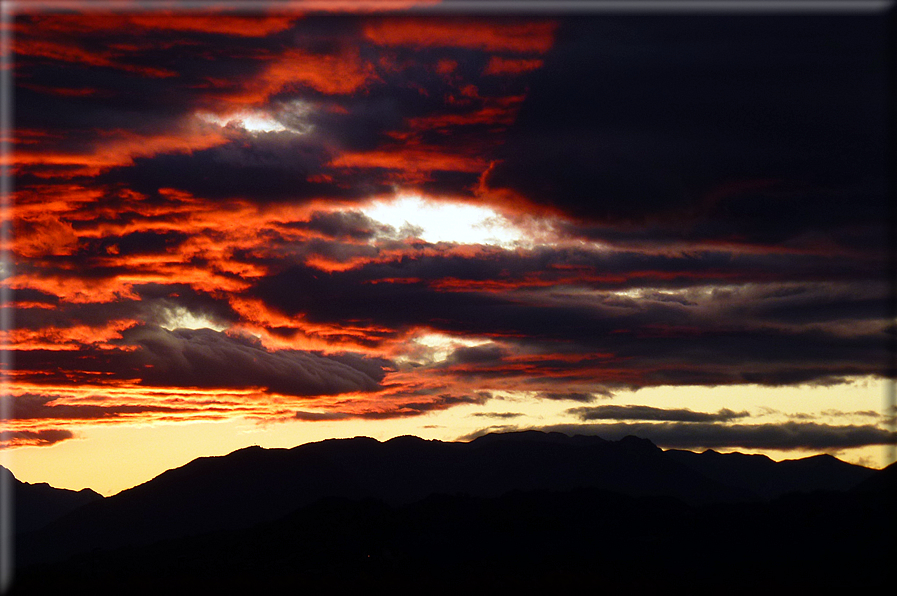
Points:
(693, 201)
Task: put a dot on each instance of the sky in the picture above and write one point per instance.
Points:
(233, 227)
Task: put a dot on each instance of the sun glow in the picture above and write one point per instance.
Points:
(429, 348)
(248, 121)
(181, 318)
(438, 221)
(288, 117)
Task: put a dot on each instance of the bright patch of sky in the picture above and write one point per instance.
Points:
(181, 318)
(248, 121)
(291, 116)
(439, 221)
(435, 347)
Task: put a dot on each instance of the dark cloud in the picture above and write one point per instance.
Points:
(660, 341)
(116, 95)
(33, 438)
(404, 105)
(39, 407)
(156, 304)
(841, 413)
(36, 296)
(317, 416)
(730, 128)
(678, 141)
(630, 269)
(343, 225)
(398, 405)
(477, 355)
(693, 435)
(159, 301)
(135, 243)
(206, 358)
(501, 415)
(651, 413)
(273, 167)
(584, 397)
(495, 428)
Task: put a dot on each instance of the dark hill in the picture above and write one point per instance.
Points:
(36, 505)
(256, 485)
(770, 479)
(881, 482)
(522, 540)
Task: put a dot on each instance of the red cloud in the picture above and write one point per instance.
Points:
(524, 38)
(336, 74)
(71, 51)
(503, 66)
(118, 148)
(97, 22)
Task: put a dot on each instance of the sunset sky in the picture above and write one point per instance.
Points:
(236, 228)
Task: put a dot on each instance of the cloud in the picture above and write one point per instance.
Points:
(694, 435)
(688, 128)
(488, 354)
(344, 225)
(584, 397)
(501, 415)
(392, 404)
(651, 413)
(33, 438)
(206, 358)
(503, 66)
(679, 205)
(711, 338)
(156, 357)
(318, 416)
(295, 69)
(40, 407)
(502, 36)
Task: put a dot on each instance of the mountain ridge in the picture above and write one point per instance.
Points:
(255, 485)
(38, 504)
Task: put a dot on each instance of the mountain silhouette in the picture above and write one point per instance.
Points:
(36, 505)
(522, 540)
(770, 479)
(425, 504)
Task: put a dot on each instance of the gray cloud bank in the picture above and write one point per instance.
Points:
(708, 435)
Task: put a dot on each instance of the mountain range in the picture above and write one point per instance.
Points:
(36, 505)
(531, 507)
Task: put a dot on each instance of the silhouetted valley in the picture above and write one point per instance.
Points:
(512, 511)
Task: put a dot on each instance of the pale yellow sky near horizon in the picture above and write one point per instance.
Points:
(112, 457)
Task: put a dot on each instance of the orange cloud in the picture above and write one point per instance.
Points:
(75, 288)
(330, 74)
(417, 161)
(499, 111)
(208, 21)
(283, 7)
(63, 338)
(39, 407)
(43, 234)
(72, 52)
(494, 36)
(121, 147)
